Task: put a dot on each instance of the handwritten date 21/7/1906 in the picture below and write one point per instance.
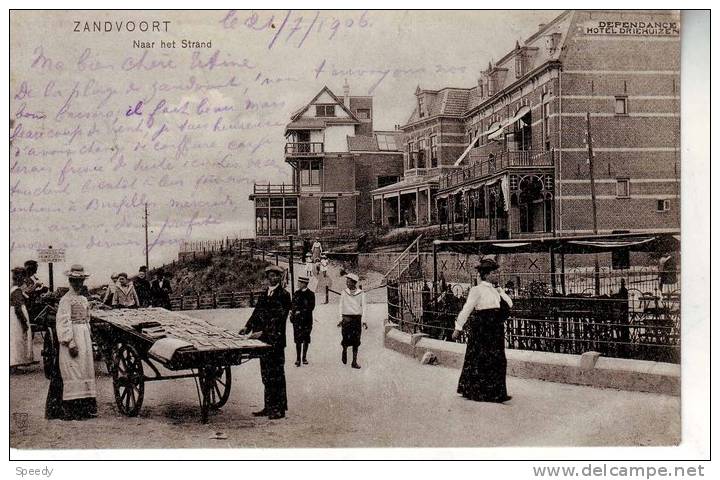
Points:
(172, 44)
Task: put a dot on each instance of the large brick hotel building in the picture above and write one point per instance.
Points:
(508, 156)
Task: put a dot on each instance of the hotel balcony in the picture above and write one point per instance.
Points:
(304, 149)
(486, 166)
(269, 189)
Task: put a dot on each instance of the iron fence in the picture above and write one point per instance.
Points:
(627, 324)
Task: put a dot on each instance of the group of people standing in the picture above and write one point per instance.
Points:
(268, 324)
(72, 391)
(121, 292)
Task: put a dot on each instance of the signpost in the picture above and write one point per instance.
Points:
(51, 255)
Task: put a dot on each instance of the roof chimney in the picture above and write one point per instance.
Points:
(541, 26)
(346, 93)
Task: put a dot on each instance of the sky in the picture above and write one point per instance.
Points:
(105, 121)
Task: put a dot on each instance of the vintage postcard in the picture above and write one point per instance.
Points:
(254, 229)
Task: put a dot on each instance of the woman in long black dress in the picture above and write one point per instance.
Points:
(483, 318)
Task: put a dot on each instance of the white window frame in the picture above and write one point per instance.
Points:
(624, 99)
(618, 182)
(665, 203)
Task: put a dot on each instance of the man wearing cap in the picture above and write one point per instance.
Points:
(352, 313)
(267, 323)
(72, 393)
(483, 319)
(301, 316)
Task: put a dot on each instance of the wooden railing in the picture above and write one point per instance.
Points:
(212, 300)
(304, 148)
(274, 189)
(488, 165)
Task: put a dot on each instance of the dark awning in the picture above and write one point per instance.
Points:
(633, 242)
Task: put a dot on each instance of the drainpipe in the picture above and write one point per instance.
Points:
(558, 175)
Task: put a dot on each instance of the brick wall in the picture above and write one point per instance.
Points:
(368, 167)
(338, 173)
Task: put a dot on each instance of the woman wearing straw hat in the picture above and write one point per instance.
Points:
(483, 373)
(74, 397)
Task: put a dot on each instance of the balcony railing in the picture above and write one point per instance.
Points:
(488, 165)
(274, 189)
(302, 149)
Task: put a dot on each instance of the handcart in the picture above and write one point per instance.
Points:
(129, 335)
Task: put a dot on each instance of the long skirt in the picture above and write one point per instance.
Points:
(21, 346)
(351, 330)
(55, 406)
(483, 373)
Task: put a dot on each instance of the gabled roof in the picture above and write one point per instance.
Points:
(325, 89)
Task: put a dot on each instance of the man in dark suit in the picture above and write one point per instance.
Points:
(267, 323)
(303, 304)
(161, 290)
(142, 288)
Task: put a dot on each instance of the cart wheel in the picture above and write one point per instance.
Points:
(49, 352)
(128, 380)
(215, 383)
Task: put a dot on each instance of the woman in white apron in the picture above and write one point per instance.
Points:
(21, 352)
(75, 359)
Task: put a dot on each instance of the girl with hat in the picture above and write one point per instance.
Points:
(21, 352)
(483, 318)
(352, 311)
(72, 395)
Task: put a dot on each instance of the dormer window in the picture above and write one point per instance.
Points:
(491, 84)
(324, 110)
(552, 42)
(520, 61)
(421, 106)
(481, 89)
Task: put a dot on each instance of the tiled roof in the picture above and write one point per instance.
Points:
(448, 101)
(362, 143)
(455, 101)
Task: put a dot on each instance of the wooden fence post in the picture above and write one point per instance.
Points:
(327, 293)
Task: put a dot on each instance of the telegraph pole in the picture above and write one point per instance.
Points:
(147, 251)
(591, 163)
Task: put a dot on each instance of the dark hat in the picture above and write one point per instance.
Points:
(76, 271)
(18, 271)
(304, 279)
(274, 268)
(486, 264)
(142, 269)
